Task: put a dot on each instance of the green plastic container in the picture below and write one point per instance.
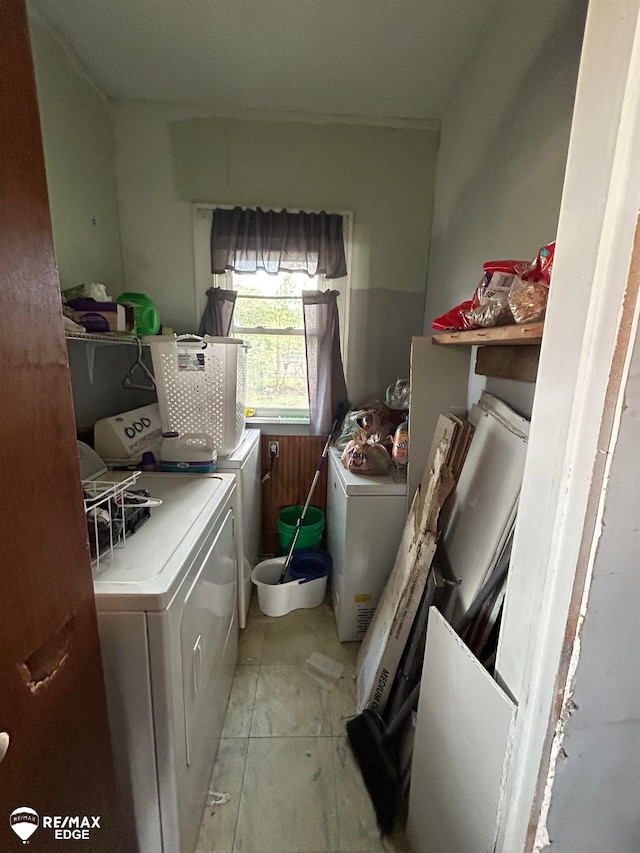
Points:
(146, 313)
(310, 531)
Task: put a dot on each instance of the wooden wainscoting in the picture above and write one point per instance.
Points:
(291, 477)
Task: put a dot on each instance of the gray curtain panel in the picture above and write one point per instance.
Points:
(325, 373)
(248, 240)
(218, 313)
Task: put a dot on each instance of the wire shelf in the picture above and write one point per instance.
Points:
(104, 505)
(102, 337)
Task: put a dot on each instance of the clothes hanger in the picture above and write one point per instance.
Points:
(140, 365)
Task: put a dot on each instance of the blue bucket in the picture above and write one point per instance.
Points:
(310, 564)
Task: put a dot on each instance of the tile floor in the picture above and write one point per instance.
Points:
(284, 757)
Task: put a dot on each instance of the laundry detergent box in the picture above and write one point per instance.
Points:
(100, 317)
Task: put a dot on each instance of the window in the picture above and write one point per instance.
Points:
(268, 315)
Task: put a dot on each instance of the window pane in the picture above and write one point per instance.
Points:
(276, 364)
(269, 313)
(276, 372)
(283, 284)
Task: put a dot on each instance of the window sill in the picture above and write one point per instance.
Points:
(278, 426)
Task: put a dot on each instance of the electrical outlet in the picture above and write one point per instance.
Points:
(274, 448)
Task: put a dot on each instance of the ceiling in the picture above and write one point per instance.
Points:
(381, 59)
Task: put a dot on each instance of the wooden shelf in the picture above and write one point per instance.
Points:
(517, 353)
(528, 334)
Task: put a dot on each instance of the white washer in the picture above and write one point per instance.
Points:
(365, 520)
(167, 617)
(244, 462)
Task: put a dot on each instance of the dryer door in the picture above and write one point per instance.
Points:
(207, 630)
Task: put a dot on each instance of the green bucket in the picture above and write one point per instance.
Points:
(310, 530)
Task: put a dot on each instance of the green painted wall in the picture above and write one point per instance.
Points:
(169, 157)
(383, 174)
(79, 156)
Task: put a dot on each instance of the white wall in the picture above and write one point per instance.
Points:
(169, 157)
(79, 158)
(595, 795)
(503, 152)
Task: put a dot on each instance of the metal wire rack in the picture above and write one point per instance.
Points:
(104, 507)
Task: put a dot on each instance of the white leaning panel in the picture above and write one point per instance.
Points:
(486, 496)
(462, 740)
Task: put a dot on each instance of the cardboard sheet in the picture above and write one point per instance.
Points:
(384, 643)
(439, 379)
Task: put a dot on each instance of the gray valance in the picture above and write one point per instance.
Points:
(246, 240)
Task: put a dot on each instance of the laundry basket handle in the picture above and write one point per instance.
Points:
(193, 339)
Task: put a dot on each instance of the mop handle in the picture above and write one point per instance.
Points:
(316, 476)
(314, 482)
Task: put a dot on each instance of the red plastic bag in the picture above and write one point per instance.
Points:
(530, 290)
(491, 303)
(490, 267)
(456, 319)
(541, 267)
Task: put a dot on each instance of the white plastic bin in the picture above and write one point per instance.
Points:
(277, 599)
(201, 384)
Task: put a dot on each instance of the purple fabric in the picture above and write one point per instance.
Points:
(325, 373)
(217, 318)
(246, 240)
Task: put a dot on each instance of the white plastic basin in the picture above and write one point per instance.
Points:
(277, 599)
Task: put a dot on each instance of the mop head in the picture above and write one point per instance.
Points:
(374, 754)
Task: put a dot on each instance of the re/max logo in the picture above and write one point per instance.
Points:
(69, 822)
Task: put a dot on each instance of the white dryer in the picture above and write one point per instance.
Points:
(244, 462)
(167, 617)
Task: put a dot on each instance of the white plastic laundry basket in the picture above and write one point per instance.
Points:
(201, 384)
(277, 599)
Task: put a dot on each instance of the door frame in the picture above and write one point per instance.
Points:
(591, 325)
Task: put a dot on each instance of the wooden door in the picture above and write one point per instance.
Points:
(52, 704)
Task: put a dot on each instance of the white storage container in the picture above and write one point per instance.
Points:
(193, 453)
(365, 520)
(201, 384)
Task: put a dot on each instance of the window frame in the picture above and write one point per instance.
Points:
(204, 279)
